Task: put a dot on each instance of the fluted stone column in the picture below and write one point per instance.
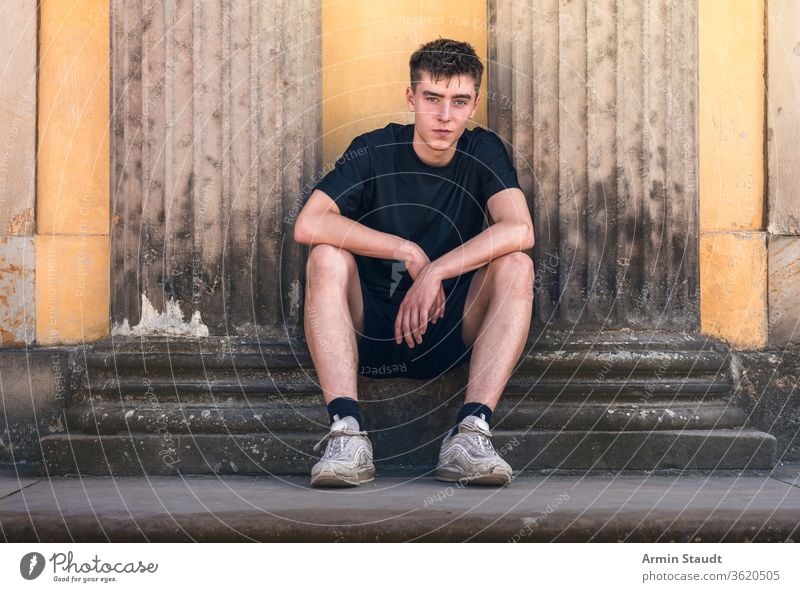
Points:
(216, 123)
(597, 100)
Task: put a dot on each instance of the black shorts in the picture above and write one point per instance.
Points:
(442, 348)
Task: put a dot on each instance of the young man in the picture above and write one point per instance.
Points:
(403, 280)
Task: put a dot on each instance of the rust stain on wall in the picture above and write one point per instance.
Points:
(8, 339)
(16, 291)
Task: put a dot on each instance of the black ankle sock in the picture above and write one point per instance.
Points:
(476, 409)
(344, 406)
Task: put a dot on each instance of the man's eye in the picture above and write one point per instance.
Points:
(461, 103)
(432, 99)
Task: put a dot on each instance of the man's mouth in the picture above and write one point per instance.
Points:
(442, 131)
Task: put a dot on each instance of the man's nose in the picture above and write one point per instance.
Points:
(444, 112)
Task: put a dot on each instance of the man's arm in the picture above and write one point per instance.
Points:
(512, 231)
(320, 221)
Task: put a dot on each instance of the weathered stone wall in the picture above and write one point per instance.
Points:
(767, 386)
(18, 24)
(783, 137)
(35, 384)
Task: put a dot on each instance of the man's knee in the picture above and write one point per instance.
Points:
(513, 271)
(326, 263)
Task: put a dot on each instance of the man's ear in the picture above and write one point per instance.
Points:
(477, 100)
(410, 99)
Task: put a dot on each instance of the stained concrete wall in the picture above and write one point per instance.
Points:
(19, 403)
(34, 386)
(765, 384)
(53, 218)
(18, 24)
(783, 138)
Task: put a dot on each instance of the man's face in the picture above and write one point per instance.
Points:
(442, 109)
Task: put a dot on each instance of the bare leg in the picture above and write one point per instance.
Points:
(333, 317)
(497, 317)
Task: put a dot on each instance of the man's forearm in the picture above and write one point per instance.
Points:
(340, 231)
(495, 241)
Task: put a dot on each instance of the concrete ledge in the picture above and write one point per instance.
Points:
(644, 450)
(712, 507)
(766, 389)
(34, 387)
(291, 453)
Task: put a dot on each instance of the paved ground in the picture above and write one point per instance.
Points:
(707, 507)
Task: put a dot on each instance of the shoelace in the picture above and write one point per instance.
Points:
(486, 444)
(337, 434)
(483, 438)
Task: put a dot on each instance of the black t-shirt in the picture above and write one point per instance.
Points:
(381, 183)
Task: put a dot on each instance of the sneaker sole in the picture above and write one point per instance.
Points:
(453, 476)
(331, 479)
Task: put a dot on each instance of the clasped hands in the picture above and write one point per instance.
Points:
(423, 303)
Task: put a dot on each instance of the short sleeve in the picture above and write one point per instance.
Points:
(496, 170)
(347, 183)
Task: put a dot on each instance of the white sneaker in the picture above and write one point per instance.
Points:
(348, 458)
(469, 457)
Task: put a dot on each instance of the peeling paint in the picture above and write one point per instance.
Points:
(56, 426)
(169, 322)
(22, 223)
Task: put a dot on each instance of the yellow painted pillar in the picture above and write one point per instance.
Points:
(733, 241)
(366, 46)
(72, 240)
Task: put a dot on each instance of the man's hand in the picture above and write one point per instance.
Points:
(423, 302)
(415, 261)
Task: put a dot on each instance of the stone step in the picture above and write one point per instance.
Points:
(558, 506)
(633, 400)
(301, 415)
(208, 388)
(547, 340)
(220, 418)
(260, 453)
(677, 359)
(619, 450)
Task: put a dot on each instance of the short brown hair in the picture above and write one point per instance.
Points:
(445, 58)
